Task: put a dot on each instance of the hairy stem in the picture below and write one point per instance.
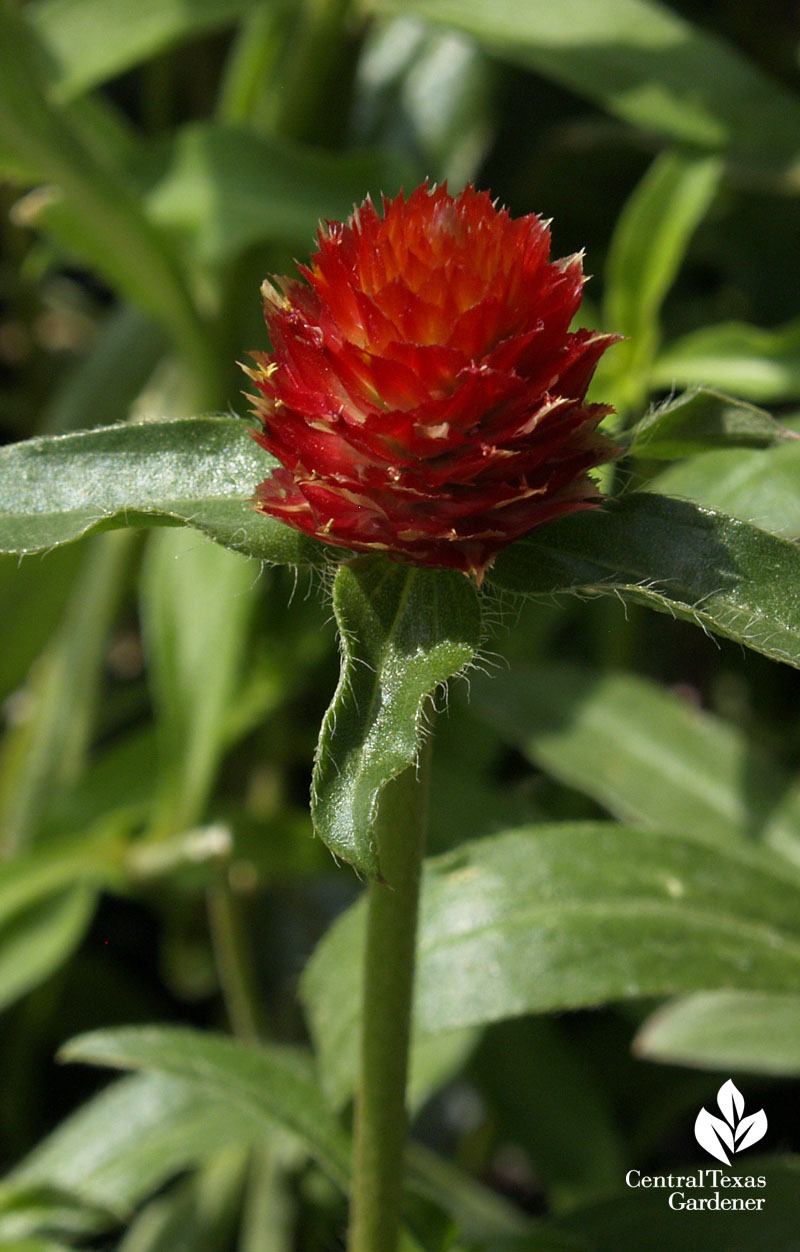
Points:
(381, 1120)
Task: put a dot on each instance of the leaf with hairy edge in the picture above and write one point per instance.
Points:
(702, 420)
(567, 916)
(199, 471)
(404, 630)
(724, 575)
(757, 1031)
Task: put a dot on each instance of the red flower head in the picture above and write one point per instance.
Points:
(424, 394)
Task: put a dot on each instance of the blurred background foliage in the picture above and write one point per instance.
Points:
(161, 696)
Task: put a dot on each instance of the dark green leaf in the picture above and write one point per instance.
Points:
(26, 1212)
(762, 365)
(647, 755)
(724, 575)
(102, 388)
(701, 420)
(47, 749)
(200, 471)
(404, 630)
(641, 61)
(726, 1030)
(39, 591)
(567, 916)
(46, 904)
(523, 1069)
(200, 1214)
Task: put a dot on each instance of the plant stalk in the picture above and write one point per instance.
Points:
(381, 1119)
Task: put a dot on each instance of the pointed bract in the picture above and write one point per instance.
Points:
(424, 394)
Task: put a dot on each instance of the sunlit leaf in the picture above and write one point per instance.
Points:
(199, 471)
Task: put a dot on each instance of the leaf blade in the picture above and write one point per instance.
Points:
(702, 420)
(722, 1030)
(664, 74)
(722, 574)
(566, 916)
(202, 472)
(404, 630)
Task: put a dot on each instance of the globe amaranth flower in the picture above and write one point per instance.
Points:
(425, 396)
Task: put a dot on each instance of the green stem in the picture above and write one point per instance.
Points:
(381, 1120)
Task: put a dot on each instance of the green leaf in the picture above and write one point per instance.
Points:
(96, 1154)
(260, 1083)
(29, 1211)
(761, 365)
(567, 916)
(646, 253)
(46, 903)
(198, 1087)
(726, 1030)
(226, 188)
(36, 941)
(644, 753)
(722, 574)
(39, 591)
(47, 749)
(651, 238)
(763, 489)
(197, 605)
(34, 1245)
(522, 1070)
(200, 1214)
(404, 630)
(642, 62)
(102, 388)
(199, 471)
(702, 420)
(90, 42)
(101, 219)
